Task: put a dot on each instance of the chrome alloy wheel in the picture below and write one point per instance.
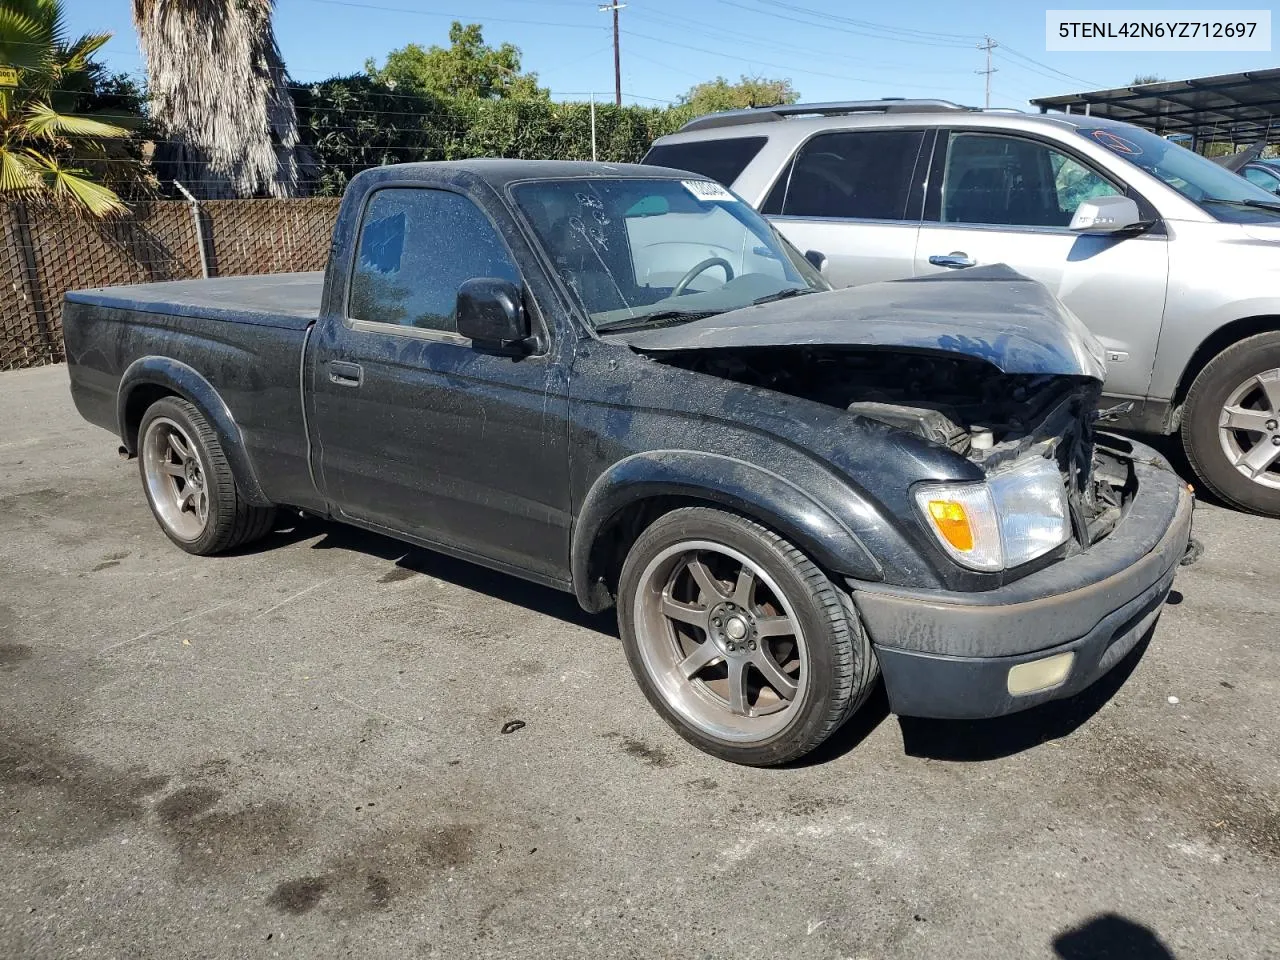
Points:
(176, 479)
(1249, 428)
(720, 641)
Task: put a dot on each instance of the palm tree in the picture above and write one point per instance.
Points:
(220, 99)
(47, 151)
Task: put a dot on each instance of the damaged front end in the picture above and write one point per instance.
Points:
(997, 420)
(994, 369)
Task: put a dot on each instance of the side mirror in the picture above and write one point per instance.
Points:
(490, 313)
(818, 259)
(1103, 215)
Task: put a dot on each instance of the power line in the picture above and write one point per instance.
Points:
(737, 36)
(828, 21)
(1045, 66)
(766, 63)
(469, 17)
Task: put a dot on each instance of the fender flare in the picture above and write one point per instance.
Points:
(745, 488)
(187, 383)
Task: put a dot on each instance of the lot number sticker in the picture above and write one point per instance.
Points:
(705, 190)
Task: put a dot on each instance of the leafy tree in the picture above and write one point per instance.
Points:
(1142, 78)
(468, 67)
(719, 94)
(219, 98)
(51, 147)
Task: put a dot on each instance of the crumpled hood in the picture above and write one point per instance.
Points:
(992, 313)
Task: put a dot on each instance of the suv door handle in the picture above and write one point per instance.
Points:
(956, 259)
(345, 374)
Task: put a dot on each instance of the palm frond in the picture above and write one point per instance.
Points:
(73, 187)
(43, 121)
(24, 41)
(18, 172)
(77, 54)
(220, 97)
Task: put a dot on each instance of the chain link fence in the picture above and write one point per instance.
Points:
(46, 252)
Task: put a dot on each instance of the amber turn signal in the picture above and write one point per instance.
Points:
(952, 522)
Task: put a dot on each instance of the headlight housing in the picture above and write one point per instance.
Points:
(1011, 518)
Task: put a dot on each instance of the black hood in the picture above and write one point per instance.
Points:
(991, 313)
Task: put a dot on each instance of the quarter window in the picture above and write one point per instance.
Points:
(722, 160)
(864, 175)
(993, 179)
(417, 247)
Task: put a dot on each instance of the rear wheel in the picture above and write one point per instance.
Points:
(743, 645)
(189, 483)
(1231, 429)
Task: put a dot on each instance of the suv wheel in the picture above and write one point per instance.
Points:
(738, 640)
(1231, 430)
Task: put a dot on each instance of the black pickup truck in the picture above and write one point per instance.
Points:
(620, 381)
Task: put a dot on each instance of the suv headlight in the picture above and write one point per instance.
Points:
(1012, 517)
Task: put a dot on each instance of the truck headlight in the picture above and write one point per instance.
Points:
(1012, 517)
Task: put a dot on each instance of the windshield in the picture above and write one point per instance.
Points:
(642, 252)
(1195, 177)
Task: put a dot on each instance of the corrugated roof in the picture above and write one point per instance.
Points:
(1243, 107)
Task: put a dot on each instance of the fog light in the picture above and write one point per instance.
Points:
(1040, 674)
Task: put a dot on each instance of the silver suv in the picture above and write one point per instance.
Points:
(1171, 260)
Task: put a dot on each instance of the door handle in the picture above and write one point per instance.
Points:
(956, 260)
(345, 374)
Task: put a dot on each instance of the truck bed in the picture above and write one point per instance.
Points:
(289, 300)
(236, 342)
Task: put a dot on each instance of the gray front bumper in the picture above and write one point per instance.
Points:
(948, 654)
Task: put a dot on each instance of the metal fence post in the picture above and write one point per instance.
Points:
(195, 216)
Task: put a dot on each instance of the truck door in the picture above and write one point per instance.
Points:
(1000, 198)
(414, 430)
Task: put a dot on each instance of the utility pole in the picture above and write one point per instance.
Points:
(988, 45)
(617, 53)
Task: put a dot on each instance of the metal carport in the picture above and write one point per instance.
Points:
(1235, 108)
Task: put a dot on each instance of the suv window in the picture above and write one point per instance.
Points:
(1263, 178)
(722, 160)
(1010, 181)
(417, 247)
(863, 174)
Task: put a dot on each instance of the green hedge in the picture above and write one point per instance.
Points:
(353, 123)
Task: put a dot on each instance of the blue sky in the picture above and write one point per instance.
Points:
(840, 51)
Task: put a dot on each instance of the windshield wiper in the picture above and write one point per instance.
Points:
(664, 318)
(1247, 202)
(783, 295)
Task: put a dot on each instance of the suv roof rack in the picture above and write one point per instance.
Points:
(732, 118)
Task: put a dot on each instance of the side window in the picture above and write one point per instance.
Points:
(722, 160)
(417, 247)
(1009, 181)
(1262, 178)
(864, 174)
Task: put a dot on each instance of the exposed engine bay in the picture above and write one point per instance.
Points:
(964, 404)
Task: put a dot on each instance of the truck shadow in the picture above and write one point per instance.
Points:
(954, 740)
(407, 561)
(968, 741)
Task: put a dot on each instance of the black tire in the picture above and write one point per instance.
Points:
(842, 668)
(231, 522)
(1205, 401)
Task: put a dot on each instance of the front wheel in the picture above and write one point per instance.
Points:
(743, 645)
(1231, 427)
